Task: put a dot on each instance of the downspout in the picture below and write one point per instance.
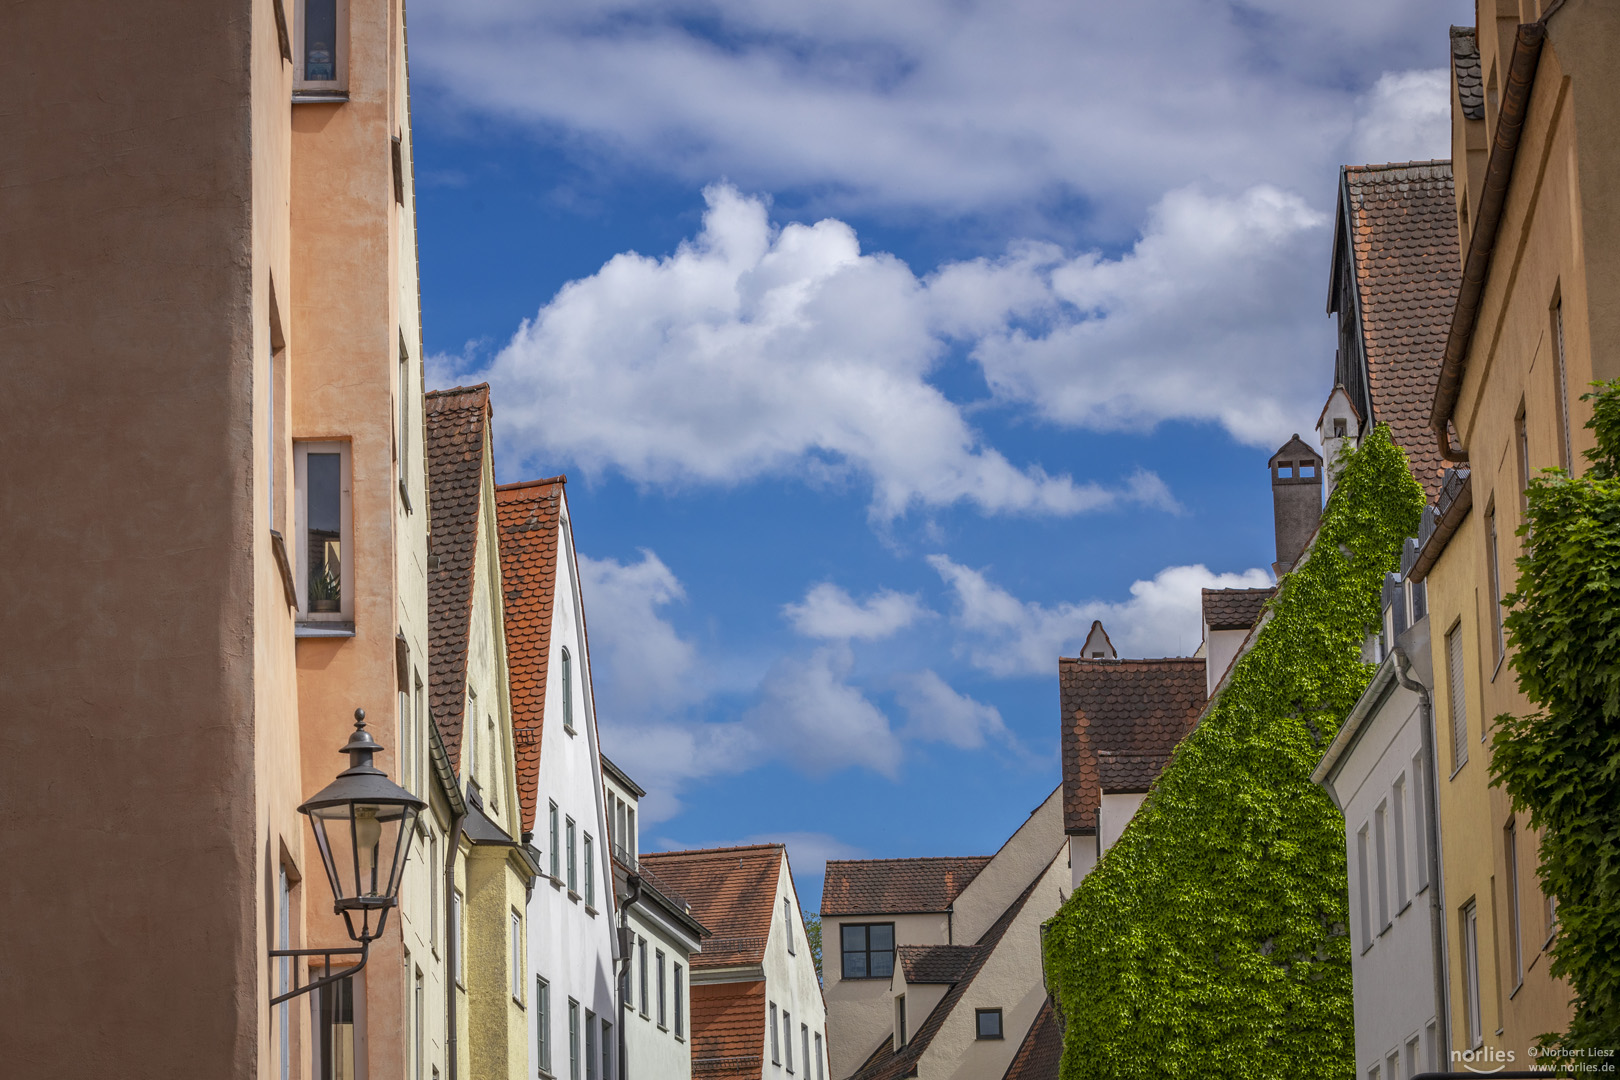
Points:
(1437, 900)
(1521, 77)
(634, 883)
(450, 929)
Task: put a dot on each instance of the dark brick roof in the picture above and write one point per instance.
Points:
(935, 963)
(889, 1064)
(1465, 64)
(1042, 1050)
(1402, 226)
(1235, 609)
(728, 1029)
(896, 886)
(1130, 772)
(1130, 707)
(527, 515)
(732, 891)
(457, 422)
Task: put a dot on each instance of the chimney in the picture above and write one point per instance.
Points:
(1296, 499)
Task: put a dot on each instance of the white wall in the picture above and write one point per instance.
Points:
(856, 1009)
(1113, 814)
(571, 945)
(790, 982)
(1393, 971)
(1223, 646)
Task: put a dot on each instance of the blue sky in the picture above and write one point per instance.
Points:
(885, 347)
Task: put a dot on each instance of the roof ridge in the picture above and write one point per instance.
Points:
(449, 390)
(1391, 166)
(910, 858)
(1121, 661)
(714, 850)
(548, 481)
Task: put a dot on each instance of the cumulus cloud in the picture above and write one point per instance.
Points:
(827, 611)
(810, 715)
(647, 665)
(937, 713)
(936, 103)
(1008, 636)
(1406, 116)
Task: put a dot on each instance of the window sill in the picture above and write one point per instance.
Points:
(1404, 906)
(590, 911)
(1387, 927)
(1458, 769)
(556, 882)
(320, 97)
(662, 1028)
(1516, 990)
(569, 730)
(574, 896)
(991, 1038)
(323, 629)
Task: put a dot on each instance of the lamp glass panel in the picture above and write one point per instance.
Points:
(364, 846)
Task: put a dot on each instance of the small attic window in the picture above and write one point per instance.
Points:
(1341, 427)
(1098, 655)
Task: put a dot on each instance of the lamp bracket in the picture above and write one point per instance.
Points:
(327, 977)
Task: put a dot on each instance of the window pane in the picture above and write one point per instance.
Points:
(855, 965)
(882, 964)
(883, 936)
(325, 537)
(320, 40)
(854, 939)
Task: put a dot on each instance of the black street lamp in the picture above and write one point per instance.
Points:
(364, 824)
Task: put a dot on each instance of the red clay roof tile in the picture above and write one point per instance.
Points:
(896, 886)
(732, 892)
(728, 1029)
(1235, 609)
(1041, 1053)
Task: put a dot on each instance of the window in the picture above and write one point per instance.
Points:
(787, 923)
(804, 1044)
(1363, 892)
(573, 1039)
(320, 57)
(901, 1035)
(418, 750)
(1510, 851)
(643, 962)
(607, 1050)
(987, 1023)
(1521, 444)
(590, 872)
(868, 950)
(680, 1002)
(590, 1045)
(1494, 570)
(458, 958)
(1420, 821)
(658, 965)
(630, 830)
(1414, 1057)
(1550, 905)
(284, 968)
(1380, 847)
(787, 1040)
(1373, 1073)
(403, 443)
(1563, 384)
(776, 1047)
(335, 1041)
(556, 868)
(542, 1022)
(821, 1064)
(1432, 1030)
(1397, 802)
(517, 958)
(1392, 1065)
(321, 496)
(568, 691)
(1456, 697)
(573, 858)
(420, 1003)
(1470, 966)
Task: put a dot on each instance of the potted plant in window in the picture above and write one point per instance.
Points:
(325, 592)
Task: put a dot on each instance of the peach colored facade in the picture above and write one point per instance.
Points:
(200, 272)
(1544, 327)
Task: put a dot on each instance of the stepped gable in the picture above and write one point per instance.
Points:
(732, 891)
(1235, 609)
(1122, 718)
(896, 886)
(935, 963)
(1041, 1052)
(728, 1029)
(889, 1064)
(457, 423)
(527, 516)
(1402, 222)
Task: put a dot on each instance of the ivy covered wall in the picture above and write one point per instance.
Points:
(1212, 939)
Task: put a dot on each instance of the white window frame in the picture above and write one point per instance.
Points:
(589, 855)
(573, 1039)
(554, 823)
(787, 924)
(680, 1002)
(663, 988)
(327, 88)
(542, 1023)
(776, 1046)
(787, 1039)
(517, 956)
(301, 451)
(821, 1060)
(1381, 848)
(571, 832)
(458, 946)
(1471, 983)
(1363, 891)
(1397, 805)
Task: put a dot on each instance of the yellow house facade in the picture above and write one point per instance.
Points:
(1534, 107)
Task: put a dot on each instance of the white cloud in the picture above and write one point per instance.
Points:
(1406, 116)
(935, 103)
(810, 716)
(753, 350)
(1008, 636)
(829, 612)
(642, 659)
(939, 714)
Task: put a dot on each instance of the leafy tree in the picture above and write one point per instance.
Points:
(1562, 763)
(812, 933)
(1211, 940)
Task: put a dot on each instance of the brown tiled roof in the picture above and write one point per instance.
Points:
(1403, 230)
(1235, 609)
(1139, 707)
(1129, 772)
(728, 1029)
(732, 892)
(527, 514)
(1465, 63)
(889, 1064)
(1042, 1050)
(935, 963)
(896, 886)
(457, 422)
